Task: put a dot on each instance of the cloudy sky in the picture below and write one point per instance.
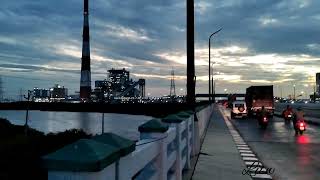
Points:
(262, 42)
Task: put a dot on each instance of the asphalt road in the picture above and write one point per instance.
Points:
(293, 157)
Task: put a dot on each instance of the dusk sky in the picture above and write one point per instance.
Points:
(262, 42)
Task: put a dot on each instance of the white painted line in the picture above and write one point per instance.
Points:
(261, 176)
(245, 151)
(259, 170)
(242, 145)
(250, 163)
(243, 148)
(249, 159)
(247, 155)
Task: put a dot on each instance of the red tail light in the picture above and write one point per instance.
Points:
(265, 119)
(301, 124)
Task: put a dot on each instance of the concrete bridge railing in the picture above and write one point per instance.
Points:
(164, 150)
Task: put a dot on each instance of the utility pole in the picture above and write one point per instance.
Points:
(294, 92)
(190, 54)
(314, 93)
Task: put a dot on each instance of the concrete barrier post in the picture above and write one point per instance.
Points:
(196, 136)
(176, 120)
(189, 135)
(156, 131)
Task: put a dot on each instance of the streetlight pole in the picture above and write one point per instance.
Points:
(294, 92)
(210, 61)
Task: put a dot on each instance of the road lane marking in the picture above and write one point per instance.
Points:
(255, 169)
(247, 155)
(252, 163)
(261, 176)
(249, 159)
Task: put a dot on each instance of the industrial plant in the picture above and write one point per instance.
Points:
(118, 85)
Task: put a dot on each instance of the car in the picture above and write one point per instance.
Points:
(239, 109)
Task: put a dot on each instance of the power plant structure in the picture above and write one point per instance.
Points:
(119, 85)
(85, 82)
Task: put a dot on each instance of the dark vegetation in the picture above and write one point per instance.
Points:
(20, 153)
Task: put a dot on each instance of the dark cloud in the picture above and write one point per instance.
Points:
(34, 34)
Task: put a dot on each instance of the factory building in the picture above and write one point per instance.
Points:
(119, 84)
(58, 93)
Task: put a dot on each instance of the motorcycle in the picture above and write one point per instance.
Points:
(288, 117)
(263, 122)
(300, 126)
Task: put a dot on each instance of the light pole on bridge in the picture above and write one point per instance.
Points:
(210, 61)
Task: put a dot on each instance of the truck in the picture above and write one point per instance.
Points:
(258, 96)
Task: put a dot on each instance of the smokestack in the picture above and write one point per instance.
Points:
(85, 82)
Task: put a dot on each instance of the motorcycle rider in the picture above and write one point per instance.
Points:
(262, 113)
(287, 111)
(298, 115)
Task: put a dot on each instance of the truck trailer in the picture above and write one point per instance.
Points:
(258, 96)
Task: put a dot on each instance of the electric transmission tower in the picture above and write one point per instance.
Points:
(173, 86)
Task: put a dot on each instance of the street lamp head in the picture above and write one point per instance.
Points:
(215, 32)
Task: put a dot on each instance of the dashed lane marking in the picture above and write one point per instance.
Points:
(255, 168)
(245, 151)
(247, 155)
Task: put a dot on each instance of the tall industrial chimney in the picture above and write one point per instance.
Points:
(85, 82)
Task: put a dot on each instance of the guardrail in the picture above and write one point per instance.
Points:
(164, 150)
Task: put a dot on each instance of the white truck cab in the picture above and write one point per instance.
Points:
(239, 109)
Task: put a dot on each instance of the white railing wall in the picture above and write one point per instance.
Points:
(158, 156)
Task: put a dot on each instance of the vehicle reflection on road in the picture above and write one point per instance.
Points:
(303, 139)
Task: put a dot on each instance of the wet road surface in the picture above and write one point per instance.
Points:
(293, 157)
